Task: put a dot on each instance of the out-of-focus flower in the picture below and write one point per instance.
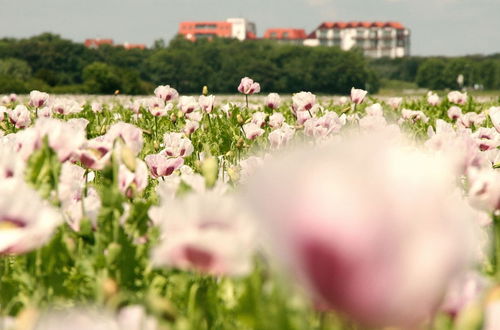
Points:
(276, 120)
(86, 206)
(206, 103)
(358, 95)
(188, 104)
(83, 319)
(200, 234)
(44, 112)
(259, 118)
(414, 115)
(492, 316)
(484, 191)
(130, 134)
(158, 108)
(395, 102)
(343, 100)
(11, 164)
(166, 93)
(454, 113)
(463, 291)
(471, 118)
(20, 116)
(375, 110)
(303, 101)
(190, 127)
(252, 131)
(433, 99)
(96, 107)
(273, 101)
(66, 106)
(38, 99)
(95, 153)
(281, 136)
(63, 137)
(329, 123)
(177, 145)
(457, 97)
(160, 165)
(248, 86)
(133, 182)
(3, 111)
(26, 221)
(350, 257)
(494, 113)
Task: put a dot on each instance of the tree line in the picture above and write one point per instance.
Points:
(439, 73)
(49, 62)
(57, 65)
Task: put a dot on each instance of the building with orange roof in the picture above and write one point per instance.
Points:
(290, 36)
(95, 43)
(238, 28)
(375, 39)
(134, 46)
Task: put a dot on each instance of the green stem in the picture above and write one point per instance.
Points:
(496, 240)
(156, 128)
(246, 99)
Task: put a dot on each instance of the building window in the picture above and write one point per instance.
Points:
(322, 33)
(284, 35)
(206, 26)
(274, 35)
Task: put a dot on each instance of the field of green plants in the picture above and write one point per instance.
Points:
(249, 212)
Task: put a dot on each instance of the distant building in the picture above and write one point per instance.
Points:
(291, 36)
(376, 39)
(238, 28)
(134, 46)
(95, 43)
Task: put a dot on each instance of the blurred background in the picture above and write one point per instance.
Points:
(386, 46)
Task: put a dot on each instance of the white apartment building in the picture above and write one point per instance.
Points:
(376, 39)
(242, 29)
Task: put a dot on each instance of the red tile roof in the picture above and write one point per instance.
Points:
(343, 25)
(285, 34)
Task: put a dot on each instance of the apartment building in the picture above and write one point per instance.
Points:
(238, 28)
(375, 39)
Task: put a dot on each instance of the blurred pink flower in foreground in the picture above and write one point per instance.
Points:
(26, 221)
(362, 222)
(207, 232)
(494, 113)
(248, 86)
(358, 95)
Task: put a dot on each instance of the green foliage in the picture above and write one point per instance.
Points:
(15, 68)
(188, 66)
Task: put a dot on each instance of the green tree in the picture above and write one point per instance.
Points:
(101, 78)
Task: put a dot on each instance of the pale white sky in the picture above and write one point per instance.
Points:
(439, 27)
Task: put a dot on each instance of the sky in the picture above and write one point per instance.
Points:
(438, 27)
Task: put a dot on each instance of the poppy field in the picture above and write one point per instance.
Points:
(249, 211)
